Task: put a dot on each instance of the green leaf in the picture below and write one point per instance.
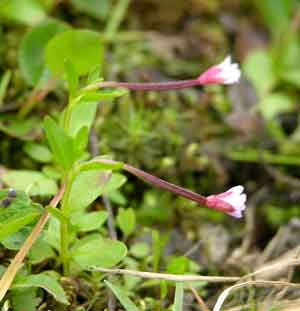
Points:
(86, 188)
(275, 104)
(52, 233)
(82, 139)
(38, 152)
(140, 250)
(45, 282)
(178, 301)
(40, 251)
(115, 182)
(256, 156)
(126, 220)
(22, 129)
(286, 59)
(94, 250)
(24, 297)
(72, 78)
(82, 48)
(15, 241)
(120, 293)
(258, 68)
(60, 143)
(31, 52)
(52, 172)
(25, 11)
(277, 14)
(95, 8)
(178, 265)
(103, 94)
(101, 163)
(57, 213)
(93, 180)
(89, 221)
(158, 243)
(17, 215)
(32, 182)
(4, 82)
(82, 115)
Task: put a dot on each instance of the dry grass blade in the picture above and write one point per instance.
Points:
(275, 266)
(16, 263)
(230, 289)
(169, 277)
(200, 301)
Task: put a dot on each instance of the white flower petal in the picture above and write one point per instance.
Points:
(229, 72)
(236, 189)
(226, 63)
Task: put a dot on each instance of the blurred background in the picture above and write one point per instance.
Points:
(205, 139)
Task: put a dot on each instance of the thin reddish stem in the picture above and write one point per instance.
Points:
(160, 183)
(151, 86)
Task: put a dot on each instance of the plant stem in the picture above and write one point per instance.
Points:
(115, 20)
(16, 263)
(64, 227)
(64, 246)
(160, 183)
(147, 86)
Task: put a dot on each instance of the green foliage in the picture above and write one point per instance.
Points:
(21, 129)
(178, 301)
(44, 281)
(181, 136)
(122, 296)
(95, 8)
(89, 221)
(82, 48)
(274, 104)
(25, 297)
(15, 241)
(277, 13)
(158, 244)
(83, 115)
(40, 251)
(52, 233)
(31, 52)
(20, 212)
(32, 182)
(5, 79)
(126, 221)
(62, 145)
(26, 11)
(278, 215)
(86, 188)
(94, 250)
(259, 69)
(286, 60)
(178, 265)
(38, 152)
(140, 250)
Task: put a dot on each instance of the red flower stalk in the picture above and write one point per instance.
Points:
(223, 73)
(231, 202)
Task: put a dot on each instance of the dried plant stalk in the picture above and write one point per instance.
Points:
(17, 262)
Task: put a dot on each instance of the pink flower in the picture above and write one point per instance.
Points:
(223, 73)
(231, 202)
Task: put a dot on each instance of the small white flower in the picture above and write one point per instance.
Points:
(223, 73)
(231, 202)
(229, 72)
